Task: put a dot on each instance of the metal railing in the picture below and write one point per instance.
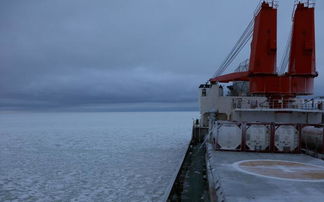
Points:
(243, 66)
(308, 3)
(272, 3)
(296, 103)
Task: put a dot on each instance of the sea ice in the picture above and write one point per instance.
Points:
(129, 156)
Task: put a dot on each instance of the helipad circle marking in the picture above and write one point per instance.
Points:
(282, 170)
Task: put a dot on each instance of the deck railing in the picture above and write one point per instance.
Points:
(297, 103)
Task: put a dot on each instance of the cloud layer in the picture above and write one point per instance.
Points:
(77, 53)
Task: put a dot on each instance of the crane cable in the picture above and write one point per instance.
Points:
(240, 44)
(245, 37)
(285, 58)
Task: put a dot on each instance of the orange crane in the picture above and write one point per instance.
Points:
(261, 74)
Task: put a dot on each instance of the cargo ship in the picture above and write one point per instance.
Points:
(260, 128)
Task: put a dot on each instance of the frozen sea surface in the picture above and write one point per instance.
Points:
(128, 156)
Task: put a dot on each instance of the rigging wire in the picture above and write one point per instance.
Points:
(243, 40)
(240, 48)
(285, 58)
(245, 37)
(240, 44)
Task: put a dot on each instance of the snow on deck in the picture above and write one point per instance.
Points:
(91, 156)
(247, 176)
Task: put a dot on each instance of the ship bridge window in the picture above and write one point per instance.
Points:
(203, 92)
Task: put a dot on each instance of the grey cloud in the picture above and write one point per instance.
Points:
(70, 53)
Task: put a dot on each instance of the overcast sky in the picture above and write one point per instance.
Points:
(123, 54)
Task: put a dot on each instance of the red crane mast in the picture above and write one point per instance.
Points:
(261, 74)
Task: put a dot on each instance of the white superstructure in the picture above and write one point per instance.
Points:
(256, 123)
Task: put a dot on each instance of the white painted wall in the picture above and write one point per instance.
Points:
(214, 102)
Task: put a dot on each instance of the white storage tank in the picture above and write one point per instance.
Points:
(312, 138)
(227, 136)
(257, 137)
(286, 138)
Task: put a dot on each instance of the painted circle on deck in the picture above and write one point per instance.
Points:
(283, 170)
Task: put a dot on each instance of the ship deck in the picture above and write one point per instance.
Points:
(247, 176)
